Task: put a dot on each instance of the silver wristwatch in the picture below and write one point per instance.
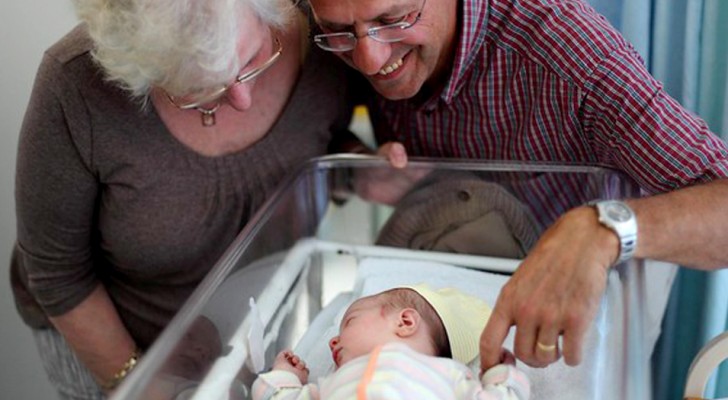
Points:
(618, 217)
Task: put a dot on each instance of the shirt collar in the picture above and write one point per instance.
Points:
(473, 18)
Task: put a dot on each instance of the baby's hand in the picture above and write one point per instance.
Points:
(287, 361)
(507, 357)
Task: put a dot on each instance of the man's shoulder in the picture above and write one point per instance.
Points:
(568, 38)
(558, 23)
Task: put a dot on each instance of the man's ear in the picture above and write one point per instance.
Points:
(408, 322)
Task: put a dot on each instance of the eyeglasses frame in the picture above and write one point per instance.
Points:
(371, 32)
(215, 96)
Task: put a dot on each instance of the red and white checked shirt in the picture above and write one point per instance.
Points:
(552, 80)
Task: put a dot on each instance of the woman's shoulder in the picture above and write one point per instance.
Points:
(68, 62)
(76, 43)
(68, 68)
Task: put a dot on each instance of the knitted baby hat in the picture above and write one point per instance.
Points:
(460, 213)
(463, 316)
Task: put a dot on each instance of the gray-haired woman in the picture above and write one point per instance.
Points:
(154, 131)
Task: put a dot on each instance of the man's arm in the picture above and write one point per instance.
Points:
(686, 227)
(558, 287)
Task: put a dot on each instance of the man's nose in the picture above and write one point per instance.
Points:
(369, 55)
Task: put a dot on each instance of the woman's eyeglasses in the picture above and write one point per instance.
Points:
(212, 95)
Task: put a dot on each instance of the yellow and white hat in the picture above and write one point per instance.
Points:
(463, 316)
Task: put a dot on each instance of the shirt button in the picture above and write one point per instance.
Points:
(464, 195)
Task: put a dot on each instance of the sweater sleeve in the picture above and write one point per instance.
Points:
(55, 192)
(502, 382)
(505, 382)
(282, 385)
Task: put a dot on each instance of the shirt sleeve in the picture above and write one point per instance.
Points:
(56, 192)
(282, 385)
(637, 127)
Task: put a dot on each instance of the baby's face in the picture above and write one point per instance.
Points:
(364, 327)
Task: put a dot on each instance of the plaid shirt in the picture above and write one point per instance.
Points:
(550, 80)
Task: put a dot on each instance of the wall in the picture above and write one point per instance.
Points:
(26, 29)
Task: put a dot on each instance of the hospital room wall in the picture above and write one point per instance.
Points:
(26, 29)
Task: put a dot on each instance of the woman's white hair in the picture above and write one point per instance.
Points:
(178, 45)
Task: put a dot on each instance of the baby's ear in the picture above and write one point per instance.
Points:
(408, 322)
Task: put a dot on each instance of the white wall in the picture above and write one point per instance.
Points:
(26, 29)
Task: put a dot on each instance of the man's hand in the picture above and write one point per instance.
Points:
(388, 185)
(556, 291)
(287, 361)
(395, 153)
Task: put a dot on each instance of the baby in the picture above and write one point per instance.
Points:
(407, 342)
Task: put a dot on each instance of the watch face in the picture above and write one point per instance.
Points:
(618, 212)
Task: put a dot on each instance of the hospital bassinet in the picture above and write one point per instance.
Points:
(312, 249)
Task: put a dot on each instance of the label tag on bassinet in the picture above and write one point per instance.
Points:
(255, 338)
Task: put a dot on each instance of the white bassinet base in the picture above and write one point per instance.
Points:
(380, 268)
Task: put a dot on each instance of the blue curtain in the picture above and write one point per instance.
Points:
(685, 45)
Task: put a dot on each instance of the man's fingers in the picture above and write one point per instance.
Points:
(395, 153)
(526, 335)
(546, 349)
(492, 338)
(573, 340)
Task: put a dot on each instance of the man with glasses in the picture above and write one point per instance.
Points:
(542, 80)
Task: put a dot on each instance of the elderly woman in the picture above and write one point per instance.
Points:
(154, 131)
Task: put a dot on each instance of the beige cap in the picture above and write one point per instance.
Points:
(463, 316)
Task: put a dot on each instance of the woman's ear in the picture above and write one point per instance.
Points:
(408, 322)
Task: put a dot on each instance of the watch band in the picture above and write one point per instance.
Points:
(619, 217)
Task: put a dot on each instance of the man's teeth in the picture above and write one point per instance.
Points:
(390, 68)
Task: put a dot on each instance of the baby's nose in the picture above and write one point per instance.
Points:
(333, 342)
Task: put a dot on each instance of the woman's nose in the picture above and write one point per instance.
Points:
(333, 342)
(369, 56)
(240, 96)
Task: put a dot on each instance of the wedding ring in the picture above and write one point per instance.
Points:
(546, 347)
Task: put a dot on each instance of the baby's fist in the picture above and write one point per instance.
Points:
(287, 361)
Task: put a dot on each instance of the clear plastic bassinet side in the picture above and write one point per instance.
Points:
(301, 252)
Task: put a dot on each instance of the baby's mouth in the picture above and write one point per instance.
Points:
(335, 355)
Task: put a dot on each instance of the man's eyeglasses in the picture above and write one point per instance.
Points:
(211, 95)
(346, 41)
